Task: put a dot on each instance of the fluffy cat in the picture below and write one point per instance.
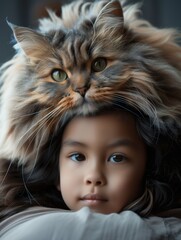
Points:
(95, 54)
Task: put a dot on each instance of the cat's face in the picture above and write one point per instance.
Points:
(76, 78)
(76, 69)
(83, 66)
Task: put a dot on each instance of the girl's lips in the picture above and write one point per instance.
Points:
(93, 198)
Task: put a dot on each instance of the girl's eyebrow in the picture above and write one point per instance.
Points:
(73, 143)
(119, 142)
(122, 142)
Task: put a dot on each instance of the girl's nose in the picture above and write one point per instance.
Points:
(95, 178)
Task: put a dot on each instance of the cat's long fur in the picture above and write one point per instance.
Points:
(144, 69)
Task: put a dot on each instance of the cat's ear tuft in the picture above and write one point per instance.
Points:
(110, 17)
(33, 44)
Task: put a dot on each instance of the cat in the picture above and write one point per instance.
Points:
(94, 55)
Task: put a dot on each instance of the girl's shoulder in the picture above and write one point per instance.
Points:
(40, 223)
(167, 224)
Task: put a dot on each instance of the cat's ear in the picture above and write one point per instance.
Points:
(110, 17)
(33, 44)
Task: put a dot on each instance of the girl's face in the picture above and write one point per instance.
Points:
(102, 162)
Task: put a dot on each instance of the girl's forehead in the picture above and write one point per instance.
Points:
(106, 125)
(111, 115)
(103, 118)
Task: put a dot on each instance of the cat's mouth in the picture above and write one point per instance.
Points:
(89, 103)
(86, 106)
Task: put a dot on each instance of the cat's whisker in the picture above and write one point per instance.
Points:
(123, 99)
(51, 114)
(28, 114)
(138, 109)
(36, 158)
(128, 97)
(31, 129)
(37, 150)
(6, 174)
(132, 103)
(30, 196)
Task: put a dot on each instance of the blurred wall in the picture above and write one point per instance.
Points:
(161, 13)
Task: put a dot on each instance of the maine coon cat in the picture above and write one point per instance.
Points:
(94, 54)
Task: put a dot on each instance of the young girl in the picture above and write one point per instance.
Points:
(104, 162)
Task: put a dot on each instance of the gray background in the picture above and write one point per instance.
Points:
(161, 13)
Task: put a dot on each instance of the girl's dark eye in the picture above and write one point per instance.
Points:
(59, 75)
(77, 157)
(117, 158)
(99, 64)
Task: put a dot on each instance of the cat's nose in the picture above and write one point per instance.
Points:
(82, 90)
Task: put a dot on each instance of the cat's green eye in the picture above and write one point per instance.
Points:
(59, 75)
(99, 64)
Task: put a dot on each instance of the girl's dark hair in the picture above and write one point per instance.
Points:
(22, 186)
(162, 178)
